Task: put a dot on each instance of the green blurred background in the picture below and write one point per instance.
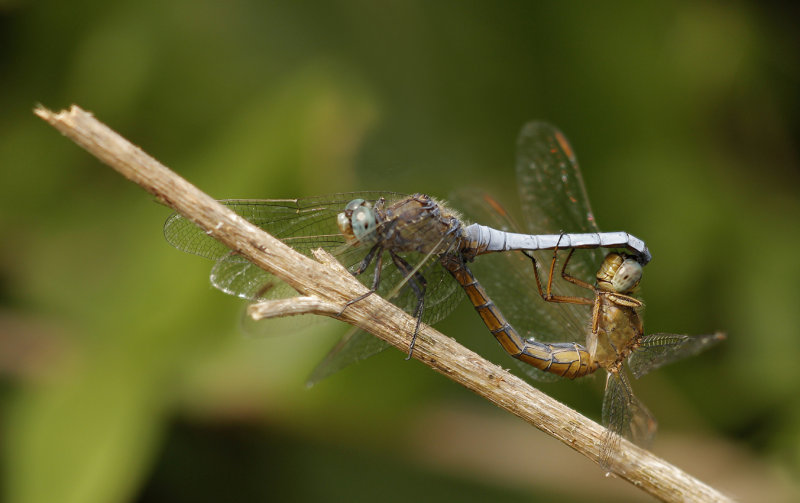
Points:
(125, 375)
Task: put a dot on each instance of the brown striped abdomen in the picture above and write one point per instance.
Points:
(566, 359)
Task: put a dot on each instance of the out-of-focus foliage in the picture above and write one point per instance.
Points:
(126, 376)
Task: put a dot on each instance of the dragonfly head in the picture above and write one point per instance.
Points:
(358, 221)
(619, 273)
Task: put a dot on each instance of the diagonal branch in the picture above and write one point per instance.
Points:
(325, 285)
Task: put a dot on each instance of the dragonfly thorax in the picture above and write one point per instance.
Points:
(619, 273)
(358, 221)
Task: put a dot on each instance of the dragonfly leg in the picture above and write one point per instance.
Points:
(572, 279)
(552, 267)
(625, 300)
(453, 227)
(548, 295)
(367, 260)
(376, 278)
(418, 284)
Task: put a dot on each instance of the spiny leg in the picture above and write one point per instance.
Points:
(552, 267)
(418, 285)
(367, 260)
(625, 300)
(594, 302)
(376, 278)
(548, 295)
(573, 279)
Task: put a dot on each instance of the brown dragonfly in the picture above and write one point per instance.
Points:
(575, 334)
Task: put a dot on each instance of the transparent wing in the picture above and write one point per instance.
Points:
(354, 346)
(235, 275)
(509, 281)
(550, 186)
(623, 416)
(304, 224)
(554, 199)
(440, 298)
(657, 350)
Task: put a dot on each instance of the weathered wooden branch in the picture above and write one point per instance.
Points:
(296, 305)
(325, 286)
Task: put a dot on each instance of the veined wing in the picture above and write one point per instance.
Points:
(623, 416)
(304, 224)
(550, 184)
(656, 350)
(354, 346)
(441, 298)
(235, 275)
(509, 281)
(554, 200)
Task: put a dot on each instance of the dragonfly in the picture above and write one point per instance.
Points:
(584, 333)
(386, 238)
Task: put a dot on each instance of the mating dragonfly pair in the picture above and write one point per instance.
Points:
(392, 240)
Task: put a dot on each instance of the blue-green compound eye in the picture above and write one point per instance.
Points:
(352, 205)
(363, 223)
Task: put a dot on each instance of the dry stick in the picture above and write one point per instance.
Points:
(326, 285)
